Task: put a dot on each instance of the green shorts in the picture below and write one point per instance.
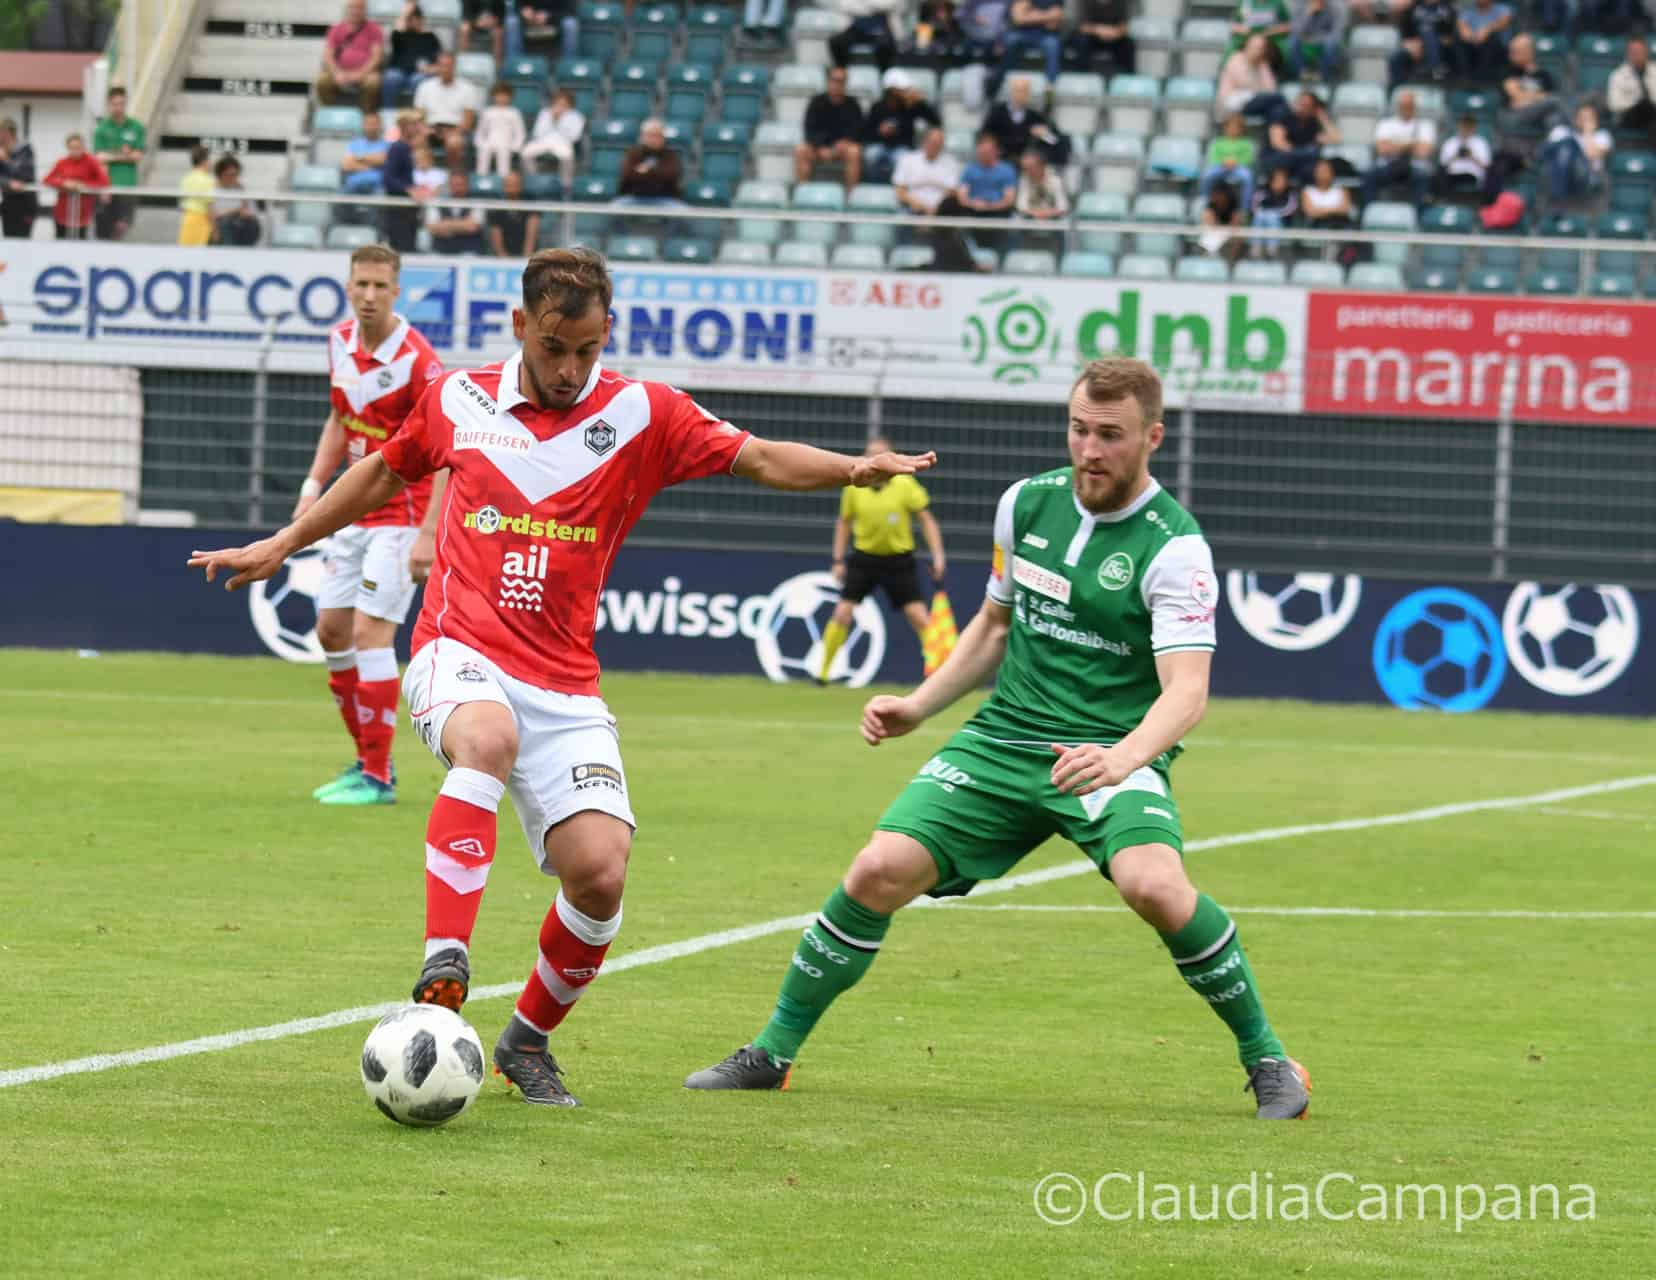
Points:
(979, 806)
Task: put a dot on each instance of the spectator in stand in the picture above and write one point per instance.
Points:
(872, 21)
(1101, 30)
(1631, 94)
(1034, 24)
(500, 134)
(195, 222)
(762, 24)
(118, 142)
(1558, 17)
(364, 160)
(833, 122)
(1610, 17)
(1230, 160)
(1269, 18)
(399, 224)
(1295, 141)
(1220, 219)
(536, 21)
(891, 125)
(1324, 205)
(455, 224)
(1018, 127)
(1428, 43)
(1274, 205)
(557, 132)
(1404, 146)
(1041, 195)
(18, 204)
(449, 106)
(926, 177)
(513, 232)
(414, 52)
(651, 172)
(1528, 89)
(430, 178)
(988, 187)
(1463, 160)
(983, 27)
(352, 54)
(235, 217)
(1572, 161)
(1482, 27)
(938, 38)
(1315, 40)
(1247, 85)
(78, 177)
(487, 17)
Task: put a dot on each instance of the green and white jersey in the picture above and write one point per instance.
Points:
(1094, 599)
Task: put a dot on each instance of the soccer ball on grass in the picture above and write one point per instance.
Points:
(422, 1065)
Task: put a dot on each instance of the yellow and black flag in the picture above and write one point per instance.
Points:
(937, 642)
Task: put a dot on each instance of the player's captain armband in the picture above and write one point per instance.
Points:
(997, 565)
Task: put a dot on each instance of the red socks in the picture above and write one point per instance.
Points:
(460, 846)
(342, 683)
(376, 710)
(572, 947)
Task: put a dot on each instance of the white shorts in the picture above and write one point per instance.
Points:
(569, 754)
(367, 569)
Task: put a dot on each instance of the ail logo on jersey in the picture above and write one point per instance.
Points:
(523, 579)
(1026, 573)
(1116, 572)
(489, 520)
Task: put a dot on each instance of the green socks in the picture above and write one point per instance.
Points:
(833, 953)
(1211, 960)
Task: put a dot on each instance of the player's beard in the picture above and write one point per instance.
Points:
(1116, 493)
(548, 397)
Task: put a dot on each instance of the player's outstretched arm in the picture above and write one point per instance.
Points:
(977, 655)
(782, 464)
(367, 486)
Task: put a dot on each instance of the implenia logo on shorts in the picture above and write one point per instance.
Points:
(1116, 571)
(586, 777)
(523, 579)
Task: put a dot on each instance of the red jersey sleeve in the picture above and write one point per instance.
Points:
(692, 442)
(421, 445)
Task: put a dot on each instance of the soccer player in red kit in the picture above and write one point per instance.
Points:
(551, 460)
(379, 366)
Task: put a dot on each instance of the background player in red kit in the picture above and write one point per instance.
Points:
(551, 459)
(378, 368)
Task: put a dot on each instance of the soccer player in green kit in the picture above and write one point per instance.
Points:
(1099, 623)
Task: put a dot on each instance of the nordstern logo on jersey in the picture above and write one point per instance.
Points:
(1116, 571)
(489, 520)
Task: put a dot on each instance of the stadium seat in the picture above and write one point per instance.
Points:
(601, 26)
(438, 13)
(1085, 264)
(486, 186)
(1561, 283)
(1132, 101)
(961, 143)
(1449, 219)
(578, 73)
(1434, 280)
(295, 235)
(595, 190)
(1368, 52)
(708, 38)
(1249, 271)
(742, 93)
(1613, 284)
(1038, 86)
(862, 82)
(857, 257)
(773, 150)
(542, 186)
(1078, 98)
(988, 261)
(1360, 156)
(1202, 45)
(1498, 257)
(1100, 206)
(1317, 275)
(744, 253)
(1442, 257)
(1380, 277)
(1483, 104)
(1187, 107)
(802, 253)
(1388, 215)
(335, 122)
(1358, 108)
(1492, 281)
(1116, 159)
(687, 103)
(817, 197)
(687, 249)
(632, 91)
(1154, 207)
(793, 89)
(911, 257)
(1029, 262)
(1142, 266)
(1201, 270)
(925, 80)
(607, 147)
(1622, 226)
(760, 195)
(1175, 159)
(868, 197)
(630, 248)
(479, 68)
(707, 194)
(315, 177)
(348, 237)
(724, 152)
(1153, 44)
(812, 29)
(527, 69)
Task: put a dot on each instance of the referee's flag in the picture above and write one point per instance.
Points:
(938, 640)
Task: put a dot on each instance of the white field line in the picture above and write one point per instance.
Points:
(783, 924)
(1367, 913)
(1604, 815)
(847, 727)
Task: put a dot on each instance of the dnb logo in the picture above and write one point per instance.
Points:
(283, 609)
(1439, 648)
(428, 300)
(1293, 612)
(788, 638)
(1012, 335)
(1571, 641)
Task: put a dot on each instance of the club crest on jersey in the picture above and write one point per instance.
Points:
(1116, 572)
(600, 437)
(385, 379)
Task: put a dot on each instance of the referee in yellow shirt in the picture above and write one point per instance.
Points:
(878, 522)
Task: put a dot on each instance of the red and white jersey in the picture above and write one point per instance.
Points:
(371, 392)
(537, 504)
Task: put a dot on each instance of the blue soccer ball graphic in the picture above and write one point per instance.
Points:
(1439, 648)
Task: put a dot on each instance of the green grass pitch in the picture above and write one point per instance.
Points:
(165, 877)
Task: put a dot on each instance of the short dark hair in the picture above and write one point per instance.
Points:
(115, 89)
(500, 86)
(569, 279)
(198, 153)
(379, 255)
(1120, 377)
(224, 165)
